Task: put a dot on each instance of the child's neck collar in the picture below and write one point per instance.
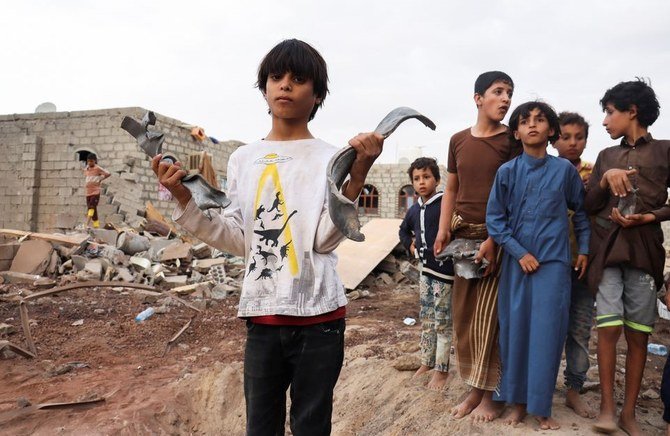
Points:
(486, 127)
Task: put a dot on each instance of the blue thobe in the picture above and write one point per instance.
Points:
(527, 212)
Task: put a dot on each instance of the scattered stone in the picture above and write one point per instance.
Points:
(78, 322)
(7, 329)
(100, 312)
(385, 278)
(407, 362)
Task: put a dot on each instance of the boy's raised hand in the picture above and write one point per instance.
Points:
(529, 264)
(581, 264)
(617, 181)
(368, 147)
(170, 175)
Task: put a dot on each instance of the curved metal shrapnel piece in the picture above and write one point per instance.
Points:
(342, 212)
(151, 142)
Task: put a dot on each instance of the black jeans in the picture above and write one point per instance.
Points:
(307, 358)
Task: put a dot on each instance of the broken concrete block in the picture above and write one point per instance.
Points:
(174, 281)
(202, 250)
(177, 250)
(142, 263)
(156, 247)
(105, 236)
(388, 264)
(131, 243)
(217, 274)
(6, 329)
(123, 274)
(115, 219)
(385, 278)
(79, 262)
(410, 271)
(33, 257)
(18, 278)
(203, 265)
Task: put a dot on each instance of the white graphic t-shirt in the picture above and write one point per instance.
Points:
(279, 221)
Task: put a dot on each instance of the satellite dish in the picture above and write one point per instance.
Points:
(45, 107)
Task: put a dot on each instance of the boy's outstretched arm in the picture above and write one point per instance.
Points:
(446, 211)
(368, 147)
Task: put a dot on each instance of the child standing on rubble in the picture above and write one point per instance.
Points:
(94, 176)
(417, 233)
(292, 298)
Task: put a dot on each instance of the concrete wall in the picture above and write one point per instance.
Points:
(389, 179)
(41, 176)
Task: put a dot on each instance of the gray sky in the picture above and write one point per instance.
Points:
(196, 61)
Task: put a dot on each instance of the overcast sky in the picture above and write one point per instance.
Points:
(196, 61)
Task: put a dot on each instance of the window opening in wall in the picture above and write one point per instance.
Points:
(82, 155)
(406, 198)
(368, 202)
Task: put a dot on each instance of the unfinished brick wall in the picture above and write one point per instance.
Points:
(41, 176)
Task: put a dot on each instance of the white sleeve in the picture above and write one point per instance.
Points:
(225, 231)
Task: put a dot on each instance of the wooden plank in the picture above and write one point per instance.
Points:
(357, 259)
(77, 239)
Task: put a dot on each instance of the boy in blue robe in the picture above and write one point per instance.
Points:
(527, 214)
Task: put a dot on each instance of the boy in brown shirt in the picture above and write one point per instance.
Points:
(475, 154)
(627, 195)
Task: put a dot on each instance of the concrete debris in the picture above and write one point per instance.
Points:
(33, 257)
(7, 329)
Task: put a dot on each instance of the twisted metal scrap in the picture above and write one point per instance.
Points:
(342, 212)
(463, 252)
(151, 142)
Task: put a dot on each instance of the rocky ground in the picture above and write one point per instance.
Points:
(194, 386)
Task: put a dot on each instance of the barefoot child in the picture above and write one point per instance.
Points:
(527, 214)
(627, 245)
(570, 145)
(292, 298)
(94, 176)
(417, 233)
(475, 154)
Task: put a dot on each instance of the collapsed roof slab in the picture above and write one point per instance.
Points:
(357, 259)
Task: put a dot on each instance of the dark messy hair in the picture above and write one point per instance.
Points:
(92, 156)
(524, 110)
(565, 118)
(485, 80)
(636, 92)
(424, 162)
(299, 58)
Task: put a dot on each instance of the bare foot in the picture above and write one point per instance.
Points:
(574, 401)
(468, 405)
(438, 381)
(548, 423)
(517, 415)
(422, 369)
(488, 410)
(605, 424)
(629, 425)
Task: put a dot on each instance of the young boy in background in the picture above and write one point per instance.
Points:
(417, 233)
(292, 298)
(570, 145)
(475, 154)
(627, 245)
(94, 176)
(527, 215)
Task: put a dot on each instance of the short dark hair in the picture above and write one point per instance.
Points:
(424, 162)
(485, 80)
(92, 156)
(565, 118)
(299, 58)
(636, 92)
(523, 111)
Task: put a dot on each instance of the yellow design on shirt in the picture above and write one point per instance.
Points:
(271, 171)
